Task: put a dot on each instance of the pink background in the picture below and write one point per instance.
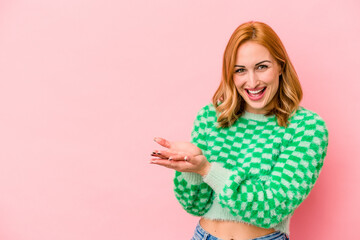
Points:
(85, 85)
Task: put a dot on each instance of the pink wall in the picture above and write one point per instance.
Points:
(86, 84)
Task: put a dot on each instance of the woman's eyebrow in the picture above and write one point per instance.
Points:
(262, 62)
(255, 64)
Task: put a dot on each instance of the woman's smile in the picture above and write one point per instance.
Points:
(255, 95)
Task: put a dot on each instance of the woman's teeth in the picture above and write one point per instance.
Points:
(255, 92)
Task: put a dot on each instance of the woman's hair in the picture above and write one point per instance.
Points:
(228, 102)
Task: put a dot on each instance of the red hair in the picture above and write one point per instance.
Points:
(289, 93)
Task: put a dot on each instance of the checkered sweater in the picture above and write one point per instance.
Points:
(260, 172)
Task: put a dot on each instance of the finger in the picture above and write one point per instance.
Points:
(163, 142)
(180, 158)
(164, 154)
(165, 163)
(157, 154)
(160, 154)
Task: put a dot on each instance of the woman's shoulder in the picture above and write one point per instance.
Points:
(303, 113)
(208, 110)
(307, 118)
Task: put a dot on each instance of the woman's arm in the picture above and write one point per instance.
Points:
(193, 194)
(191, 191)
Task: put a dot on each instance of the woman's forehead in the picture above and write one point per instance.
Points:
(252, 53)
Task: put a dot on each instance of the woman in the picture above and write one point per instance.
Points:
(255, 154)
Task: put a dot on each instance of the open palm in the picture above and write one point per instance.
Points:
(185, 148)
(181, 156)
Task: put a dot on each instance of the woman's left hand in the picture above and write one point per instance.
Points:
(180, 160)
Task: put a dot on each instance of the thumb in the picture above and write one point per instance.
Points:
(163, 142)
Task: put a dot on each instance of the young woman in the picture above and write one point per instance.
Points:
(255, 154)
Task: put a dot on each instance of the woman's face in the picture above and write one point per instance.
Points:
(256, 76)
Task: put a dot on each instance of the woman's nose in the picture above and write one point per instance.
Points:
(252, 80)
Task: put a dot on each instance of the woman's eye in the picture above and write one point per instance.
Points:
(240, 70)
(261, 67)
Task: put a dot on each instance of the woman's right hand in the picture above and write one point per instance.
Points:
(181, 156)
(185, 147)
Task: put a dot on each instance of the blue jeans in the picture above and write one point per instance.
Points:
(201, 234)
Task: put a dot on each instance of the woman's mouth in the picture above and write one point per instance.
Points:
(255, 94)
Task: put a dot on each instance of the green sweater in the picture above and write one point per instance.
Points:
(260, 172)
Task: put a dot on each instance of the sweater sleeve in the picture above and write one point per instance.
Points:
(266, 201)
(194, 195)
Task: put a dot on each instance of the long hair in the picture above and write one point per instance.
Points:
(228, 102)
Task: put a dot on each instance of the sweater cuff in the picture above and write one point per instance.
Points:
(192, 178)
(217, 177)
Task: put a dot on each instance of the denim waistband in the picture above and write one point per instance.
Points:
(201, 234)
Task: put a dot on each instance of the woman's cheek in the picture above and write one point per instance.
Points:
(238, 81)
(269, 77)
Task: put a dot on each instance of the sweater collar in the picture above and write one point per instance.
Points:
(257, 117)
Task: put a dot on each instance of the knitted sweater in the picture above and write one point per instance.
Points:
(260, 172)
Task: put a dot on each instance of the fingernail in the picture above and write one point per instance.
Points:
(155, 139)
(153, 161)
(153, 152)
(170, 158)
(158, 153)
